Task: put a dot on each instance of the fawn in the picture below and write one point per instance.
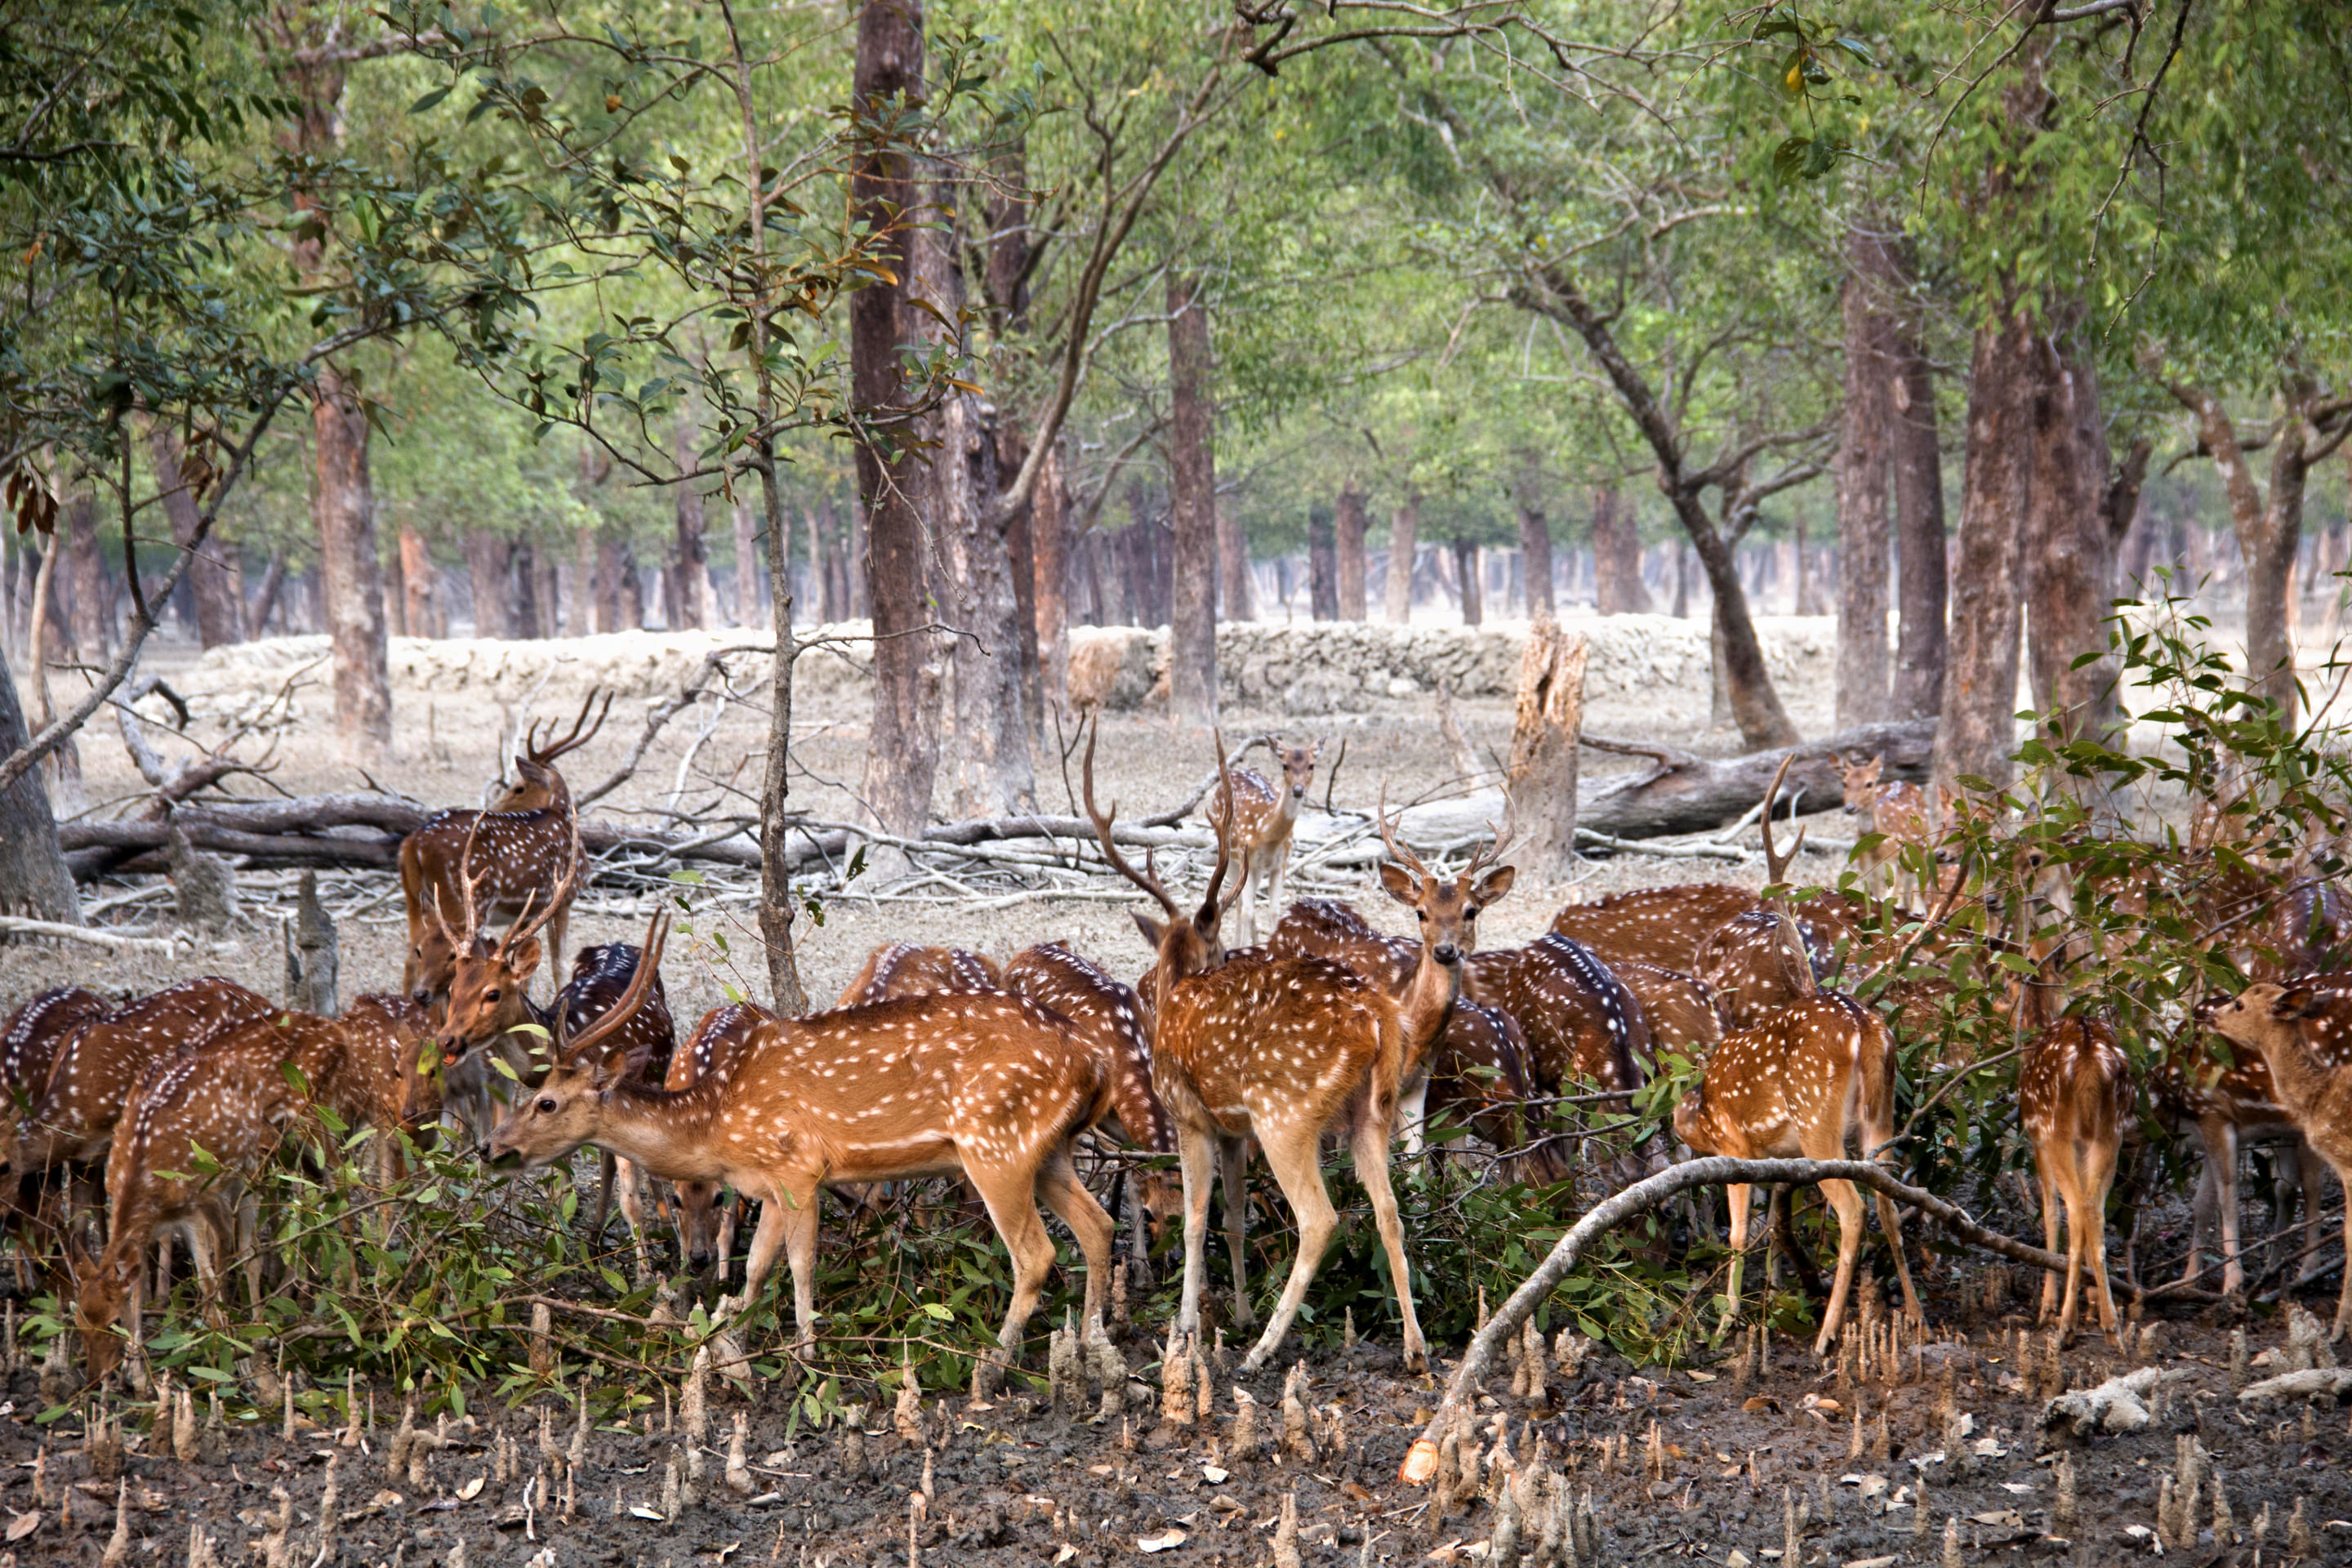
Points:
(1899, 814)
(706, 1225)
(1283, 1050)
(2074, 1096)
(909, 969)
(528, 839)
(1262, 816)
(984, 1084)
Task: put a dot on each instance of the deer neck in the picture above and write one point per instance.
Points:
(2299, 1078)
(1427, 1003)
(669, 1132)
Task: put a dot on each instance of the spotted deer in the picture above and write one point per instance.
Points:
(1263, 814)
(1660, 926)
(1806, 1081)
(525, 842)
(2073, 1097)
(1900, 815)
(706, 1223)
(911, 969)
(29, 1044)
(1680, 1008)
(199, 1126)
(984, 1084)
(2231, 1104)
(1762, 959)
(2302, 1030)
(1282, 1050)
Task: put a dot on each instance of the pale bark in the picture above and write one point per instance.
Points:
(1535, 552)
(1617, 586)
(1404, 539)
(1238, 593)
(1193, 506)
(990, 771)
(751, 581)
(342, 506)
(1864, 474)
(1348, 549)
(490, 568)
(420, 585)
(1544, 731)
(690, 605)
(1977, 731)
(34, 882)
(1322, 564)
(1049, 533)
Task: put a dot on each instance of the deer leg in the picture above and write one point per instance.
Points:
(2098, 1179)
(1292, 1152)
(2233, 1270)
(1890, 1220)
(1736, 1197)
(1195, 1157)
(1249, 898)
(1067, 1196)
(1371, 1149)
(1011, 1198)
(2315, 1194)
(1412, 1118)
(781, 1222)
(2050, 1237)
(558, 924)
(1233, 1181)
(1274, 879)
(2344, 1300)
(1847, 1203)
(606, 1169)
(727, 1209)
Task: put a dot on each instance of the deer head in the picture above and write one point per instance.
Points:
(1446, 908)
(1297, 766)
(490, 980)
(1185, 945)
(538, 786)
(1861, 780)
(562, 1112)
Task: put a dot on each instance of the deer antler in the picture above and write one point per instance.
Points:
(1148, 880)
(1775, 874)
(1776, 864)
(1206, 921)
(545, 753)
(649, 959)
(1400, 852)
(472, 886)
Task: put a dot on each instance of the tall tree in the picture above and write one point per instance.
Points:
(1919, 475)
(1617, 586)
(1347, 548)
(1863, 471)
(1193, 505)
(1404, 539)
(1535, 555)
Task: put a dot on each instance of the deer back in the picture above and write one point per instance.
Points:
(1581, 1021)
(1663, 926)
(599, 975)
(517, 854)
(1259, 1044)
(2074, 1083)
(1747, 963)
(98, 1066)
(1109, 1016)
(1327, 928)
(1819, 1062)
(384, 1077)
(1480, 1074)
(718, 1045)
(1680, 1008)
(911, 969)
(34, 1035)
(1258, 818)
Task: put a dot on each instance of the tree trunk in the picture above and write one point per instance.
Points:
(1322, 565)
(1404, 539)
(1049, 537)
(1617, 586)
(751, 580)
(264, 598)
(1863, 474)
(1193, 506)
(1465, 572)
(991, 773)
(1918, 470)
(342, 505)
(34, 881)
(534, 614)
(2070, 572)
(1238, 592)
(1544, 740)
(419, 586)
(689, 607)
(214, 582)
(903, 746)
(1348, 547)
(1977, 731)
(1682, 581)
(490, 568)
(1534, 551)
(91, 623)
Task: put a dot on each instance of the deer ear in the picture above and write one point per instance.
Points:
(526, 955)
(1152, 931)
(1402, 885)
(2296, 1002)
(1495, 883)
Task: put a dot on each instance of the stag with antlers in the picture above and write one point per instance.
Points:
(527, 841)
(1282, 1050)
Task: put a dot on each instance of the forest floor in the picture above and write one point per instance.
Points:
(1010, 1482)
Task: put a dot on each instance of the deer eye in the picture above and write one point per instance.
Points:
(1421, 915)
(1471, 913)
(547, 1105)
(490, 995)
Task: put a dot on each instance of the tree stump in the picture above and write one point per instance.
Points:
(311, 952)
(1541, 787)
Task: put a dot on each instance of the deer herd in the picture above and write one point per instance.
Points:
(938, 1062)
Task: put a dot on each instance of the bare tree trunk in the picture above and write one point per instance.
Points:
(1237, 593)
(1918, 470)
(903, 747)
(1193, 506)
(1863, 474)
(751, 580)
(342, 505)
(1322, 564)
(1466, 571)
(1534, 551)
(1617, 586)
(1682, 581)
(1049, 533)
(213, 580)
(264, 598)
(992, 772)
(490, 568)
(689, 607)
(2071, 566)
(1404, 539)
(418, 586)
(534, 615)
(1976, 731)
(92, 622)
(34, 881)
(1545, 735)
(1348, 546)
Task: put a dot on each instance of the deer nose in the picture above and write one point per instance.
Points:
(699, 1259)
(2205, 1010)
(1448, 953)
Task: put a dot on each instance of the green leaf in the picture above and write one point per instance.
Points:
(431, 99)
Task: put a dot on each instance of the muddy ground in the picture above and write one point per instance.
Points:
(1010, 1482)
